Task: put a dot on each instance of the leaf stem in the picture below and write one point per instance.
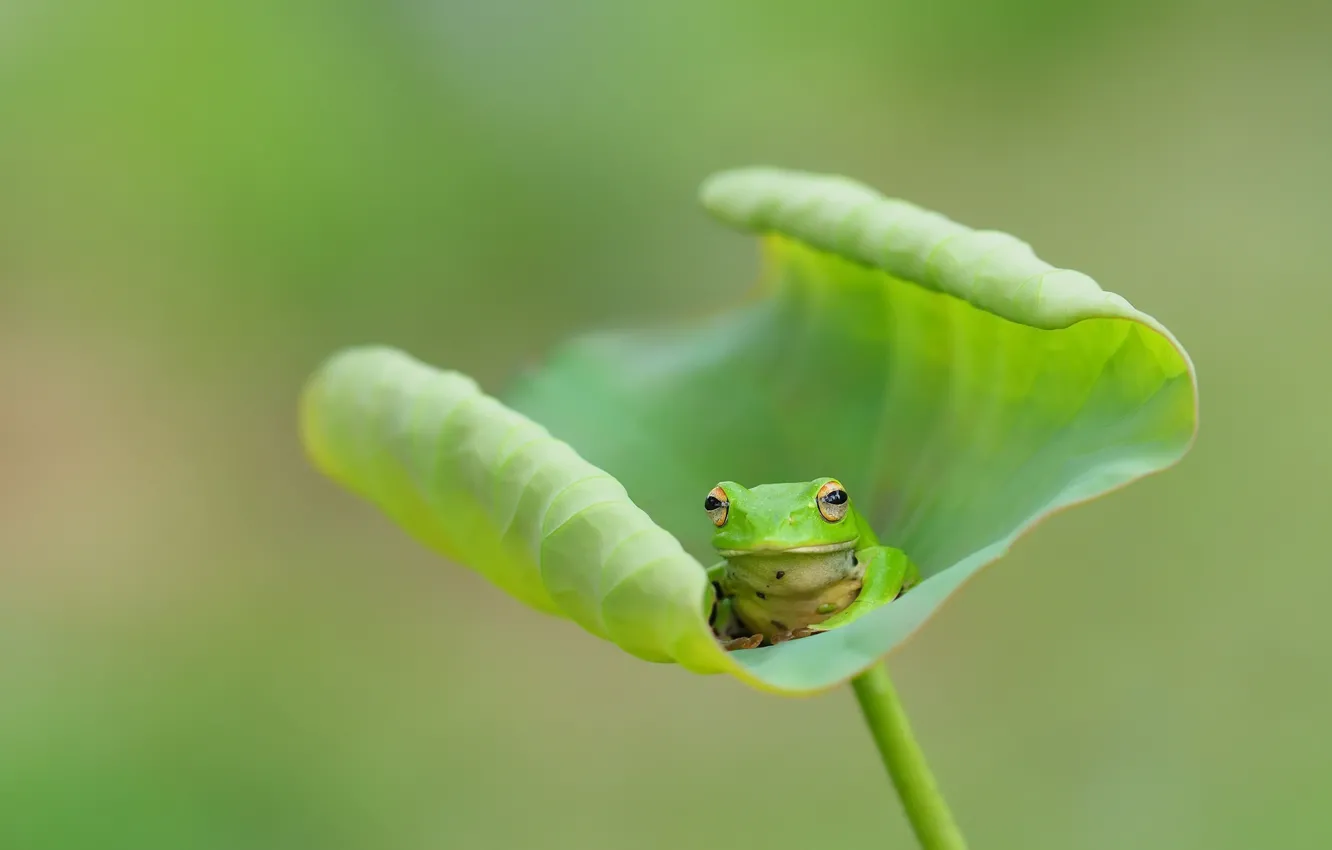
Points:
(887, 721)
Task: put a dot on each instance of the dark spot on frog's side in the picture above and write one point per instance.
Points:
(777, 625)
(761, 594)
(781, 573)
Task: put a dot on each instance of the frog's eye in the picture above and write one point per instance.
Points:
(833, 501)
(717, 506)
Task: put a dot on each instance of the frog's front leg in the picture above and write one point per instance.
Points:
(725, 625)
(888, 574)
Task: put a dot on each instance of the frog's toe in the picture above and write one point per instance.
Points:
(793, 635)
(742, 643)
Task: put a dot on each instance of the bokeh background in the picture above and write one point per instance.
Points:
(205, 645)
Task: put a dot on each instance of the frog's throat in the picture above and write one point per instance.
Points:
(821, 549)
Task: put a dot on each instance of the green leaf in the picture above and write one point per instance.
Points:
(491, 489)
(960, 387)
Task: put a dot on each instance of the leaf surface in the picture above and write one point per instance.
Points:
(961, 389)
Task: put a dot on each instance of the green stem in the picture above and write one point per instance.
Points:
(925, 806)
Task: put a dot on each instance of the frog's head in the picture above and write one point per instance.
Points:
(814, 516)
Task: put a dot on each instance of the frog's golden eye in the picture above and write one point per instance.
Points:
(833, 501)
(717, 506)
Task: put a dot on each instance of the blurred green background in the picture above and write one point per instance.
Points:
(205, 645)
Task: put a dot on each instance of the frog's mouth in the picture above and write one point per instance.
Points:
(821, 549)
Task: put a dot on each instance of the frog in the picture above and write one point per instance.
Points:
(797, 559)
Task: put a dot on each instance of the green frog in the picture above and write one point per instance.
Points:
(798, 559)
